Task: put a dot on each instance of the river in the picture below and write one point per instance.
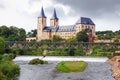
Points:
(97, 69)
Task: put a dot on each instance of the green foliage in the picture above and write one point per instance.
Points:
(79, 52)
(2, 76)
(1, 57)
(82, 36)
(108, 35)
(71, 66)
(44, 47)
(99, 52)
(58, 52)
(8, 70)
(46, 40)
(12, 33)
(116, 40)
(73, 39)
(56, 38)
(32, 33)
(71, 52)
(38, 61)
(2, 45)
(8, 57)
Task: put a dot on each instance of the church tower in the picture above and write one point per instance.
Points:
(41, 24)
(54, 19)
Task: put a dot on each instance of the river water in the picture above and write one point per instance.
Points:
(97, 69)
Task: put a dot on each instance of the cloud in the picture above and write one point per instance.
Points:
(23, 13)
(2, 6)
(92, 7)
(105, 13)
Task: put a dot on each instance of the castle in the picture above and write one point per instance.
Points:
(65, 32)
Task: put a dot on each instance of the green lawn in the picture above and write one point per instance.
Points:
(71, 66)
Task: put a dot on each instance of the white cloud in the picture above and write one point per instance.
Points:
(24, 13)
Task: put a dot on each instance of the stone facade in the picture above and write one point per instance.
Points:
(65, 32)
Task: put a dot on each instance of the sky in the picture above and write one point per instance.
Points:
(24, 13)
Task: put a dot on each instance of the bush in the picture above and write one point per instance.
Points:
(8, 50)
(2, 77)
(101, 53)
(2, 45)
(9, 70)
(15, 50)
(37, 61)
(1, 57)
(58, 52)
(71, 66)
(71, 52)
(8, 56)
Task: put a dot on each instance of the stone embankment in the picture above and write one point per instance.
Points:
(115, 62)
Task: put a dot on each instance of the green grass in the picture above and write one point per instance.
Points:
(71, 66)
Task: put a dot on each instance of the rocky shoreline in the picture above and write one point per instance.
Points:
(115, 63)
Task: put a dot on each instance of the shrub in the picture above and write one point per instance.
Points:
(8, 56)
(58, 52)
(9, 69)
(38, 61)
(2, 77)
(71, 52)
(15, 50)
(2, 45)
(7, 50)
(44, 47)
(71, 66)
(0, 57)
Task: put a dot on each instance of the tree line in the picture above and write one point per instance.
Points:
(12, 33)
(108, 35)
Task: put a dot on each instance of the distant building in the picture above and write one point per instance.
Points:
(65, 32)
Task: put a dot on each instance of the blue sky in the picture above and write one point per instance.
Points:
(23, 13)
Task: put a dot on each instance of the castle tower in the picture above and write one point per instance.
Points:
(54, 19)
(41, 24)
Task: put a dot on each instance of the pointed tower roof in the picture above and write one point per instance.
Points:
(42, 15)
(54, 15)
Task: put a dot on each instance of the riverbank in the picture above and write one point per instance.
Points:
(95, 70)
(115, 63)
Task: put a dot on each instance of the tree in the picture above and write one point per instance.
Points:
(12, 33)
(73, 39)
(2, 45)
(22, 34)
(82, 36)
(56, 38)
(32, 33)
(4, 31)
(108, 35)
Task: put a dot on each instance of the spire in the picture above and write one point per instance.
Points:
(42, 15)
(54, 15)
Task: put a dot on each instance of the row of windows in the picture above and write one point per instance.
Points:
(67, 33)
(87, 26)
